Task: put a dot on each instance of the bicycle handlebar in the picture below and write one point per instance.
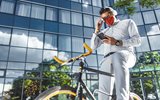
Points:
(74, 58)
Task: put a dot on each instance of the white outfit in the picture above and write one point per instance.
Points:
(119, 62)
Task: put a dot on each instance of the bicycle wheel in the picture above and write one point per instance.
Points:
(58, 93)
(134, 96)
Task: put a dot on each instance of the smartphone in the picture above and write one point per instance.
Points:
(101, 36)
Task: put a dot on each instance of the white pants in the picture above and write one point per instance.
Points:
(118, 64)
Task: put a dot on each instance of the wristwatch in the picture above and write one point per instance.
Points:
(118, 43)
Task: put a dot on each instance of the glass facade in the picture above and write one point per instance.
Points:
(33, 31)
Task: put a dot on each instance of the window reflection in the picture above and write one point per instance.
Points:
(76, 18)
(149, 17)
(144, 45)
(64, 43)
(88, 20)
(35, 40)
(5, 34)
(19, 38)
(17, 54)
(97, 3)
(7, 6)
(76, 1)
(14, 73)
(153, 41)
(158, 14)
(152, 29)
(37, 11)
(87, 9)
(51, 14)
(50, 41)
(34, 55)
(4, 52)
(64, 55)
(86, 1)
(77, 44)
(137, 17)
(64, 16)
(77, 30)
(1, 86)
(31, 66)
(91, 60)
(3, 65)
(15, 65)
(48, 54)
(23, 9)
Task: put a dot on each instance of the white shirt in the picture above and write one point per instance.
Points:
(125, 30)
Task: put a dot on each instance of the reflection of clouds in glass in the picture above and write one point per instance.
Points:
(63, 56)
(154, 30)
(48, 54)
(4, 37)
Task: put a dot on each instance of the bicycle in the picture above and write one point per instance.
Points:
(77, 93)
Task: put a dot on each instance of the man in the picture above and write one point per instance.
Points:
(121, 37)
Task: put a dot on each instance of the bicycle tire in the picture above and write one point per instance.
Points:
(53, 94)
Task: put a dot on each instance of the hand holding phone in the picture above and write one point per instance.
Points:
(101, 36)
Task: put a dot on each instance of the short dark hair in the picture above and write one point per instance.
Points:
(103, 10)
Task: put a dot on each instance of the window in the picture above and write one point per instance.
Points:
(23, 9)
(34, 55)
(152, 29)
(137, 17)
(14, 73)
(19, 38)
(158, 14)
(91, 60)
(86, 1)
(77, 44)
(88, 32)
(149, 17)
(31, 66)
(153, 41)
(5, 34)
(76, 18)
(77, 30)
(64, 16)
(3, 65)
(7, 6)
(96, 10)
(64, 43)
(17, 54)
(51, 14)
(87, 9)
(76, 1)
(88, 20)
(48, 54)
(142, 31)
(144, 45)
(50, 41)
(76, 6)
(16, 65)
(4, 52)
(1, 86)
(64, 28)
(38, 11)
(35, 40)
(97, 3)
(51, 26)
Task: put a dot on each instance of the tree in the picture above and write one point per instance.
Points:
(151, 61)
(129, 8)
(53, 75)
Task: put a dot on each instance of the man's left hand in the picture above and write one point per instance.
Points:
(109, 40)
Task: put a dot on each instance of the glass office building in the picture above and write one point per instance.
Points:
(33, 31)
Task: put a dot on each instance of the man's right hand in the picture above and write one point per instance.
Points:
(98, 25)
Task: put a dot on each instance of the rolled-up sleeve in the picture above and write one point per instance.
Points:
(135, 39)
(95, 42)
